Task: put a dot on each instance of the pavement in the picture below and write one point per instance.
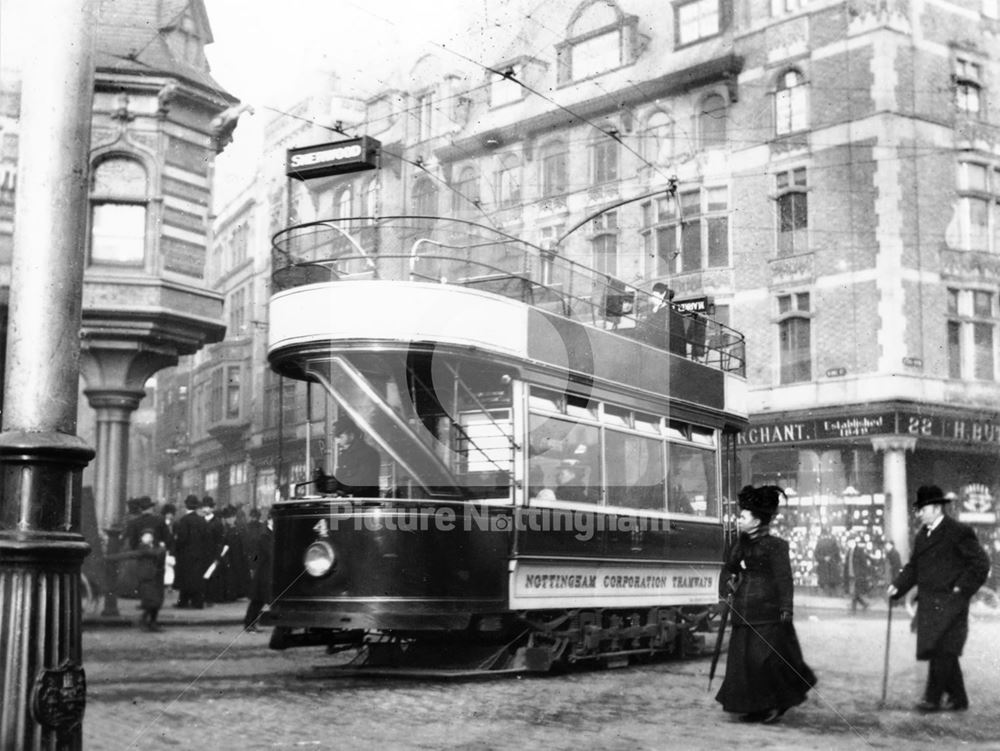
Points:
(807, 600)
(218, 614)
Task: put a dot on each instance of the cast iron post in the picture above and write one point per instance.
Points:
(42, 686)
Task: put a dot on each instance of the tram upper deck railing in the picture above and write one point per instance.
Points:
(451, 251)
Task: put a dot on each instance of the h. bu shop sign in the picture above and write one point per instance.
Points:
(965, 430)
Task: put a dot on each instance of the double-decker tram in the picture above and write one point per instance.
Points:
(556, 454)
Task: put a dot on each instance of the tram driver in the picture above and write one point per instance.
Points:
(358, 465)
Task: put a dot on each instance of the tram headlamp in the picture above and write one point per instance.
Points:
(318, 558)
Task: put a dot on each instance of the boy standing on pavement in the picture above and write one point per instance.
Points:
(947, 565)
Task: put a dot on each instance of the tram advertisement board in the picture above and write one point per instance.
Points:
(537, 584)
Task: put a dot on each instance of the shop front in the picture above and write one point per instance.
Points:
(852, 472)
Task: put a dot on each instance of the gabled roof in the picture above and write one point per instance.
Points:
(131, 38)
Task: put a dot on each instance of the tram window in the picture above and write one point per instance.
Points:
(703, 436)
(578, 406)
(647, 423)
(634, 470)
(547, 400)
(691, 485)
(677, 430)
(563, 460)
(617, 416)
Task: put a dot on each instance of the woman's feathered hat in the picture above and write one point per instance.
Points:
(762, 500)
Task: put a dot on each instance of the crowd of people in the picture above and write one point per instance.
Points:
(215, 557)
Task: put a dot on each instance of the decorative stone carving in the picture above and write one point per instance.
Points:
(792, 269)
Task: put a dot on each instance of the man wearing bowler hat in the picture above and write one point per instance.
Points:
(947, 565)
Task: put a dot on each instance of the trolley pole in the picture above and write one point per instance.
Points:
(42, 683)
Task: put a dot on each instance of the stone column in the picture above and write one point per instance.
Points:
(42, 681)
(113, 410)
(897, 511)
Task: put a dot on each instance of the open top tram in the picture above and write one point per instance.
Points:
(556, 456)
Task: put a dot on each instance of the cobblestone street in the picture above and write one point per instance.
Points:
(211, 686)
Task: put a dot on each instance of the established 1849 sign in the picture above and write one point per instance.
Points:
(337, 158)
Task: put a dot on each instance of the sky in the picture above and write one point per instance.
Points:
(268, 52)
(269, 58)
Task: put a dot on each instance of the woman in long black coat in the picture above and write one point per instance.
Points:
(765, 672)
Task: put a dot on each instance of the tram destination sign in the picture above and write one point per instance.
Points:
(335, 158)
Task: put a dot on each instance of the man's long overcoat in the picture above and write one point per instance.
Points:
(950, 557)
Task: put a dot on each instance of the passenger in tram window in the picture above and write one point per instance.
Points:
(571, 485)
(358, 465)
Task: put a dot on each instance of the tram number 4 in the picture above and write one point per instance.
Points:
(321, 528)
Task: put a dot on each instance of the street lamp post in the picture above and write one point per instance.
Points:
(42, 683)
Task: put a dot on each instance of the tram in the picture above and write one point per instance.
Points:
(554, 469)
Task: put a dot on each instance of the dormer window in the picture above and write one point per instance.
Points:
(697, 20)
(599, 39)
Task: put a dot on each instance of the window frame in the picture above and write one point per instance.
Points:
(100, 198)
(791, 197)
(965, 320)
(795, 315)
(791, 103)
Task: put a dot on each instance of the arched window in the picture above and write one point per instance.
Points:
(118, 202)
(465, 195)
(658, 138)
(371, 198)
(424, 198)
(509, 181)
(712, 122)
(554, 169)
(790, 106)
(596, 42)
(344, 203)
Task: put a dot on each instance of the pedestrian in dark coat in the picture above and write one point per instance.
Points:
(892, 561)
(260, 550)
(827, 555)
(765, 672)
(214, 586)
(147, 518)
(149, 556)
(857, 574)
(234, 576)
(947, 566)
(193, 543)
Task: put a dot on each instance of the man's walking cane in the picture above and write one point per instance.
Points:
(885, 665)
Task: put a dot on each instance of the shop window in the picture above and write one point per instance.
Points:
(978, 207)
(554, 169)
(794, 338)
(509, 181)
(712, 118)
(793, 212)
(696, 20)
(790, 103)
(971, 333)
(118, 205)
(967, 77)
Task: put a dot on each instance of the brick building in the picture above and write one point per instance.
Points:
(837, 199)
